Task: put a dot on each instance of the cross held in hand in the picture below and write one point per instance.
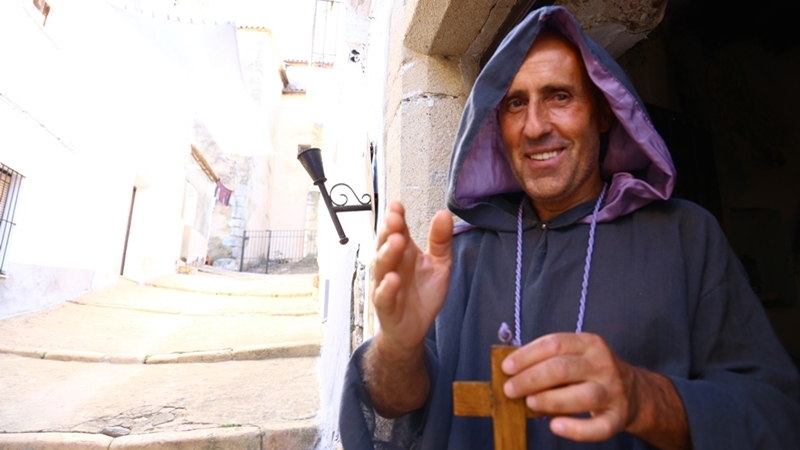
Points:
(483, 399)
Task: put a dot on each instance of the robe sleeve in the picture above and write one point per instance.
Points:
(361, 428)
(743, 391)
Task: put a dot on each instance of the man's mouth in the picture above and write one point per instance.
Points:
(544, 156)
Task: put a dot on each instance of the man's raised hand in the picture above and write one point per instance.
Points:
(410, 288)
(411, 285)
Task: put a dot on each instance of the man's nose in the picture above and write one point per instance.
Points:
(537, 121)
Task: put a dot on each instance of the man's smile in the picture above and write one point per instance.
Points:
(545, 156)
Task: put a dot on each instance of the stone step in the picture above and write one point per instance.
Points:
(245, 353)
(282, 437)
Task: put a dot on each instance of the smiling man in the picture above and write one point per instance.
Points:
(636, 324)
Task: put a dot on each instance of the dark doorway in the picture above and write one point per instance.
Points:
(720, 81)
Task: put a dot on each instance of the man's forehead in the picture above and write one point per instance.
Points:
(559, 48)
(551, 40)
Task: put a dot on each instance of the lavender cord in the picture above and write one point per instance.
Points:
(584, 287)
(518, 283)
(588, 266)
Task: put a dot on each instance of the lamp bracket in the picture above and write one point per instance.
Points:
(364, 200)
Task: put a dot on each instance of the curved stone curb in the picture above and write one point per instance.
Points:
(245, 353)
(54, 441)
(248, 438)
(74, 355)
(241, 293)
(293, 436)
(28, 352)
(257, 352)
(176, 312)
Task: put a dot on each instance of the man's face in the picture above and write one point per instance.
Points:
(551, 127)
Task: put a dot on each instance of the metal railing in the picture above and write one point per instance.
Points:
(9, 191)
(279, 251)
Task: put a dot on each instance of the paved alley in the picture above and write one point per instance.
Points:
(209, 360)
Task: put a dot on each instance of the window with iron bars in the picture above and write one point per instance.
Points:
(10, 182)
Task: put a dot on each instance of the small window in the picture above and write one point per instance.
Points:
(9, 191)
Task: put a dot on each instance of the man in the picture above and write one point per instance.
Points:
(636, 323)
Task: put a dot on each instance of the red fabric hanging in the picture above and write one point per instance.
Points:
(223, 194)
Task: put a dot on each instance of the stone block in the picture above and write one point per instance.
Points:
(29, 352)
(227, 264)
(239, 212)
(431, 75)
(234, 438)
(291, 436)
(74, 355)
(54, 441)
(205, 357)
(170, 358)
(231, 241)
(446, 28)
(187, 270)
(124, 359)
(258, 352)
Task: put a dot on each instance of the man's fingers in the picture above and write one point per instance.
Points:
(385, 299)
(571, 399)
(389, 256)
(598, 428)
(440, 235)
(394, 221)
(546, 347)
(551, 373)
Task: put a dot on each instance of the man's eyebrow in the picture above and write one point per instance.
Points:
(550, 88)
(514, 93)
(546, 90)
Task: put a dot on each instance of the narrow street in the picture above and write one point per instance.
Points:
(209, 360)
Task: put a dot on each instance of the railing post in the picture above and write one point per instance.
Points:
(269, 245)
(241, 253)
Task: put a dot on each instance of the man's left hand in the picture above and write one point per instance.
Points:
(572, 373)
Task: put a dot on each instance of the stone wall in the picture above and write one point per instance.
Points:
(433, 52)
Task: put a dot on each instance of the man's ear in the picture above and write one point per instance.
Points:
(605, 117)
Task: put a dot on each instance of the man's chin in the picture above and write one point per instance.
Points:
(545, 194)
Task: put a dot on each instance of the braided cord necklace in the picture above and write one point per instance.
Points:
(505, 334)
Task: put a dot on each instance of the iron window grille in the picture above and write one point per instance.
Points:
(10, 182)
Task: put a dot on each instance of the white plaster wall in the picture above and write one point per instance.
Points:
(336, 289)
(121, 117)
(355, 118)
(288, 181)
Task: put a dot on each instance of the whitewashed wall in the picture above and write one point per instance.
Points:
(87, 119)
(357, 121)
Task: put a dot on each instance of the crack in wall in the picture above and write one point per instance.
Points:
(428, 97)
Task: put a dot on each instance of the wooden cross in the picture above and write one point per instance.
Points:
(483, 399)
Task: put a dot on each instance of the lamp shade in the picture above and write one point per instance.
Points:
(311, 159)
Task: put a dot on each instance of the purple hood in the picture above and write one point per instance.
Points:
(637, 165)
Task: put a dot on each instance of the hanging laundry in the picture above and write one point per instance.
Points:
(223, 194)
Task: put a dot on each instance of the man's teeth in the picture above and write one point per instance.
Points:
(544, 156)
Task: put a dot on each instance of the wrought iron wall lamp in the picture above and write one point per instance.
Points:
(311, 159)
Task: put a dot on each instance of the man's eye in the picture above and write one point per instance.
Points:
(514, 105)
(560, 97)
